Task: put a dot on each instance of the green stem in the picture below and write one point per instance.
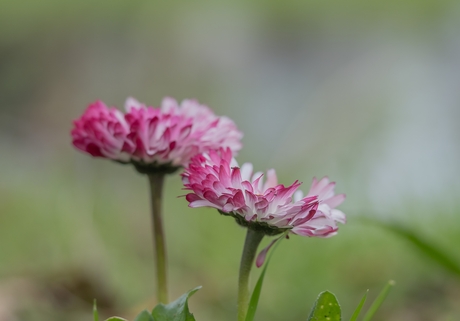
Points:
(251, 243)
(156, 190)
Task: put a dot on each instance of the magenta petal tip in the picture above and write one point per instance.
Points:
(263, 254)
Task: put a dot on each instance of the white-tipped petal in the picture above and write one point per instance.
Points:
(246, 171)
(298, 195)
(132, 103)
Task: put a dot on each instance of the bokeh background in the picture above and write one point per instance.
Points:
(366, 92)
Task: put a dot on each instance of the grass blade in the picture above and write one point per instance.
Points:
(258, 288)
(432, 252)
(95, 313)
(355, 315)
(378, 301)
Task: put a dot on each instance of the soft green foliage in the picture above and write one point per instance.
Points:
(378, 301)
(326, 308)
(355, 315)
(144, 316)
(175, 311)
(427, 247)
(95, 313)
(258, 288)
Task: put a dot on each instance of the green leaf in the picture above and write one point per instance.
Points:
(326, 308)
(426, 247)
(116, 319)
(355, 315)
(258, 288)
(175, 311)
(144, 316)
(95, 313)
(378, 301)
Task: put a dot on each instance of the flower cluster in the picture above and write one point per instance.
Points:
(217, 181)
(153, 137)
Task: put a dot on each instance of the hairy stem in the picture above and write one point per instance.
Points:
(251, 243)
(156, 190)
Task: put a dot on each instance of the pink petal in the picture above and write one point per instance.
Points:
(246, 171)
(272, 180)
(263, 254)
(238, 199)
(236, 177)
(192, 197)
(335, 200)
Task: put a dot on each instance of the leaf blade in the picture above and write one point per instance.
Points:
(326, 308)
(95, 313)
(378, 301)
(175, 311)
(258, 288)
(355, 315)
(144, 316)
(424, 246)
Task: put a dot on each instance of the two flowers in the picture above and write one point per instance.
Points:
(159, 141)
(190, 135)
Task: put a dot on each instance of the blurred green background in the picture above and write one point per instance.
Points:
(366, 92)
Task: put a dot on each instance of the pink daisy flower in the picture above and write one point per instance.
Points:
(215, 180)
(163, 138)
(102, 132)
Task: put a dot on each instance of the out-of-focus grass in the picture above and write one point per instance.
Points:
(96, 220)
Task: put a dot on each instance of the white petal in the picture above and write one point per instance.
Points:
(339, 216)
(233, 163)
(246, 171)
(298, 195)
(132, 103)
(169, 104)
